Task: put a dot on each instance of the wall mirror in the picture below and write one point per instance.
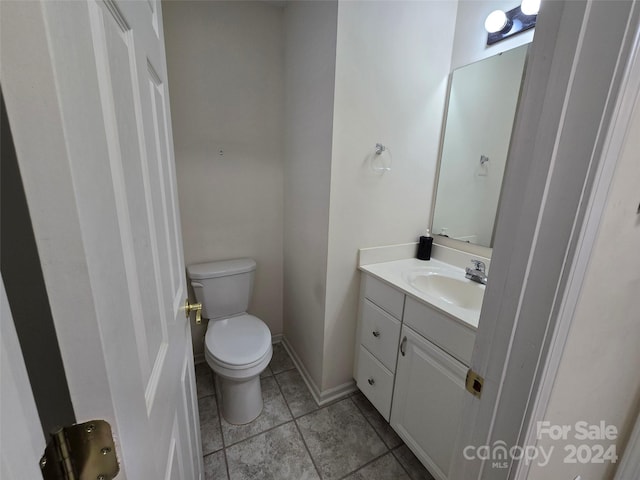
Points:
(481, 108)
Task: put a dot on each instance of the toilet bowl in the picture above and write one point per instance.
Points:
(237, 344)
(238, 349)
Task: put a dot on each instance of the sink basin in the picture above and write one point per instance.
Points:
(456, 291)
(440, 285)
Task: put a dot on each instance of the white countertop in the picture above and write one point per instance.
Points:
(395, 272)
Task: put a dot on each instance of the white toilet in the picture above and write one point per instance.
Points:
(237, 345)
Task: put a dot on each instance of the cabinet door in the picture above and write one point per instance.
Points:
(427, 401)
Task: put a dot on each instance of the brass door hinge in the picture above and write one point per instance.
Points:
(474, 383)
(83, 451)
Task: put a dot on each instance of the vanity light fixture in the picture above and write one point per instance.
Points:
(500, 25)
(530, 7)
(497, 21)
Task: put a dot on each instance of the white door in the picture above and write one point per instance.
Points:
(85, 85)
(427, 400)
(20, 432)
(573, 78)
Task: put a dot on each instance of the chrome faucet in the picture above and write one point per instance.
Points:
(477, 274)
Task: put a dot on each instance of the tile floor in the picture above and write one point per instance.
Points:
(295, 439)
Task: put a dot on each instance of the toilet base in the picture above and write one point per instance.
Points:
(240, 400)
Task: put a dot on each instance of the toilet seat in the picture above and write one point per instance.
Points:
(237, 343)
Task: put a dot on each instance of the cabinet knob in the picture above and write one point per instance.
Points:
(371, 381)
(376, 333)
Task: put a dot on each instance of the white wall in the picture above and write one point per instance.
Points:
(225, 64)
(470, 43)
(310, 49)
(392, 65)
(598, 375)
(238, 84)
(480, 115)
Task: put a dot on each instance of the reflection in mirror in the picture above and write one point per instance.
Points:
(480, 114)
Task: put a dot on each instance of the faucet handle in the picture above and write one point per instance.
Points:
(479, 264)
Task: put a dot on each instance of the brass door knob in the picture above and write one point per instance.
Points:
(190, 307)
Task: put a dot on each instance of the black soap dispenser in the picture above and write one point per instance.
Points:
(424, 246)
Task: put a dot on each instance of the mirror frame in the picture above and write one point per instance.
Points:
(467, 247)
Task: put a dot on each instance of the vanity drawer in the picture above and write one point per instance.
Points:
(384, 296)
(375, 381)
(448, 334)
(380, 333)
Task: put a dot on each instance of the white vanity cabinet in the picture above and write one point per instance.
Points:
(411, 363)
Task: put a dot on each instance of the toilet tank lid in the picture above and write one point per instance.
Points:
(221, 268)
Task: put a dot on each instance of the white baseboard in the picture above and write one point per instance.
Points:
(321, 397)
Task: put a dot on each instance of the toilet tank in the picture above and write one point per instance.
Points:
(223, 287)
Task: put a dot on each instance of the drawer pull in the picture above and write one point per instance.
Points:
(371, 381)
(403, 346)
(376, 333)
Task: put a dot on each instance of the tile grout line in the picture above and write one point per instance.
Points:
(304, 442)
(389, 450)
(365, 465)
(400, 462)
(257, 434)
(218, 411)
(224, 444)
(223, 448)
(293, 367)
(253, 435)
(282, 371)
(370, 424)
(350, 396)
(226, 462)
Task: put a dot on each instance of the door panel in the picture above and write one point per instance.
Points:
(167, 197)
(186, 416)
(115, 58)
(101, 178)
(20, 431)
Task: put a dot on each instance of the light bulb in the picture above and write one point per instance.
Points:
(530, 7)
(495, 21)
